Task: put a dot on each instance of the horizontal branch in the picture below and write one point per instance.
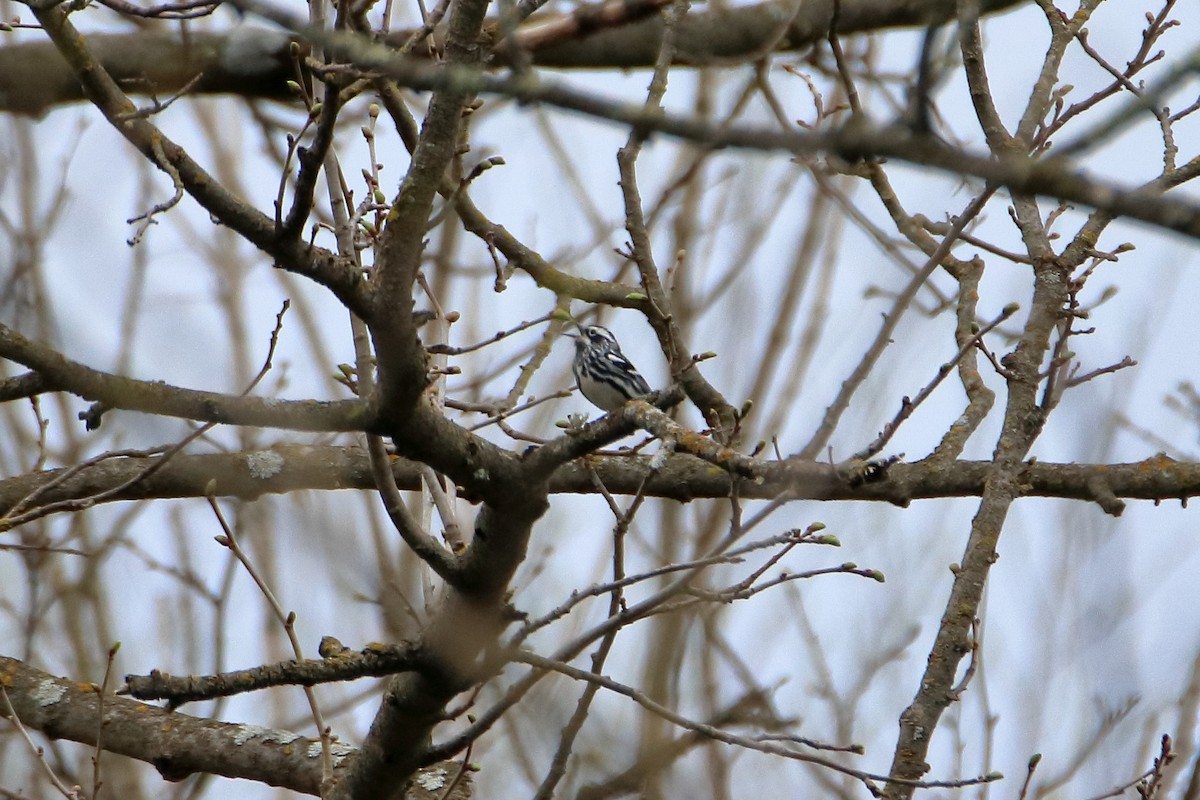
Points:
(288, 468)
(491, 472)
(1020, 174)
(373, 661)
(1057, 178)
(253, 62)
(21, 386)
(155, 397)
(179, 745)
(738, 33)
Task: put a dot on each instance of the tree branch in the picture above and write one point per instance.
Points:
(337, 274)
(371, 661)
(282, 469)
(1023, 422)
(156, 397)
(176, 744)
(254, 62)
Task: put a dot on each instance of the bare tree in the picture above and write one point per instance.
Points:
(853, 228)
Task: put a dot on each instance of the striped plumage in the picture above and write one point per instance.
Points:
(602, 372)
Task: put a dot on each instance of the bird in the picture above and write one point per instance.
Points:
(602, 372)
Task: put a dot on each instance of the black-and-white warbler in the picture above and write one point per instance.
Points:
(602, 372)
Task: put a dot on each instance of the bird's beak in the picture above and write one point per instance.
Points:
(577, 335)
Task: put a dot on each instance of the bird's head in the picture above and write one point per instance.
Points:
(595, 336)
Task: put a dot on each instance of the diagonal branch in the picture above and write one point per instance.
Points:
(1023, 421)
(336, 274)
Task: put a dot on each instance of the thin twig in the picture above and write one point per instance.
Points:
(907, 406)
(71, 793)
(447, 350)
(287, 620)
(883, 338)
(99, 750)
(720, 735)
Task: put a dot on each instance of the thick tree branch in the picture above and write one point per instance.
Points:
(471, 615)
(176, 744)
(252, 62)
(155, 397)
(1018, 173)
(738, 34)
(1023, 422)
(283, 469)
(20, 386)
(179, 745)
